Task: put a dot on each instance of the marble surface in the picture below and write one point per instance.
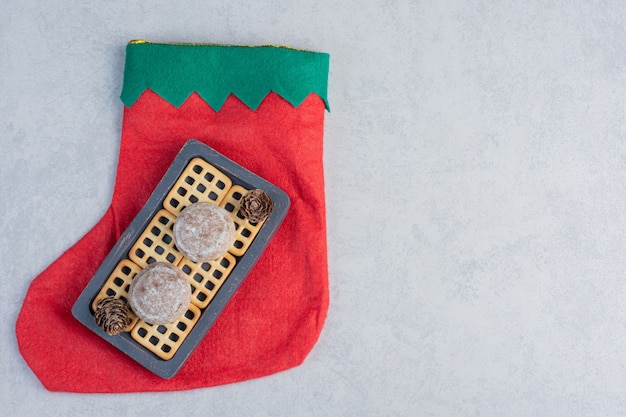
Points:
(475, 162)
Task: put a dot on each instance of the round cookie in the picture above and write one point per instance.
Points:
(203, 232)
(159, 294)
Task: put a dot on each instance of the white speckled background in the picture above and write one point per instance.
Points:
(476, 181)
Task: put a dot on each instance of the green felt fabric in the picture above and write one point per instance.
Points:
(175, 71)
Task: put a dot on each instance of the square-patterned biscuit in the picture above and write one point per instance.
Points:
(156, 243)
(199, 182)
(206, 278)
(165, 340)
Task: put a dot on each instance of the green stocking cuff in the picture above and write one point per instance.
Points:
(175, 71)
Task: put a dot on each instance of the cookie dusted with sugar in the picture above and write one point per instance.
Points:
(159, 294)
(204, 232)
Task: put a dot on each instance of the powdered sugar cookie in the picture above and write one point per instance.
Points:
(159, 294)
(203, 232)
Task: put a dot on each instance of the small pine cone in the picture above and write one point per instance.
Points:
(256, 205)
(112, 315)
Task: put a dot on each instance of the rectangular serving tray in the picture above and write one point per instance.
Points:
(239, 176)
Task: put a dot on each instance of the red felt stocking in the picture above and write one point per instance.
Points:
(262, 107)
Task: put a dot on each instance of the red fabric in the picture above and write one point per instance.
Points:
(275, 317)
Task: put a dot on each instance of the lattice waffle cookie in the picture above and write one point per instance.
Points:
(200, 182)
(156, 243)
(165, 340)
(206, 278)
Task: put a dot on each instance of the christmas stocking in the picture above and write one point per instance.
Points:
(262, 107)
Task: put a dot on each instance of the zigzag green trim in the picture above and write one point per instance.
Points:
(175, 71)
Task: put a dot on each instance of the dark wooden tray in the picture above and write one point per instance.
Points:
(239, 176)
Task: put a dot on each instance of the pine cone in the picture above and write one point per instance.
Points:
(256, 205)
(112, 315)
